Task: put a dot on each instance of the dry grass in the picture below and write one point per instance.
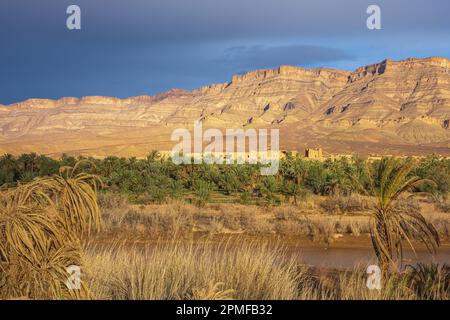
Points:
(41, 224)
(241, 270)
(186, 271)
(443, 204)
(338, 204)
(165, 220)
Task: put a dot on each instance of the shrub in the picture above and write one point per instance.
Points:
(344, 204)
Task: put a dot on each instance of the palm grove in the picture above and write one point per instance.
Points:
(47, 205)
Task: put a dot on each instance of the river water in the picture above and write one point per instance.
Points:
(348, 258)
(351, 252)
(346, 253)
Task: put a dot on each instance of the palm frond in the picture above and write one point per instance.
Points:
(40, 226)
(390, 180)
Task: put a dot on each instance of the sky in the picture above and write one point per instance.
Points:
(144, 47)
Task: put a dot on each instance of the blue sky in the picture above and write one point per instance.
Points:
(137, 47)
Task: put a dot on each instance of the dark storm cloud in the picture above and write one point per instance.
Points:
(130, 47)
(257, 56)
(213, 20)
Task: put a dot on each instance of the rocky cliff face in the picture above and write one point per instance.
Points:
(396, 107)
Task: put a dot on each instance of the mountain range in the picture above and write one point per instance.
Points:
(391, 107)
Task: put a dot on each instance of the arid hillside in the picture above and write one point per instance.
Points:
(387, 108)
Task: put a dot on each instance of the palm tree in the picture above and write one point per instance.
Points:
(8, 169)
(390, 226)
(153, 156)
(202, 191)
(269, 188)
(39, 226)
(75, 194)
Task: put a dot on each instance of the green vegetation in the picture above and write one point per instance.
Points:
(157, 179)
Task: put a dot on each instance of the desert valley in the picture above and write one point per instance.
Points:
(88, 182)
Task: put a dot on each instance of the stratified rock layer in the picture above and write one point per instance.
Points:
(387, 108)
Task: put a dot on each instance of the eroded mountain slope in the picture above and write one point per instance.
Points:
(391, 107)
